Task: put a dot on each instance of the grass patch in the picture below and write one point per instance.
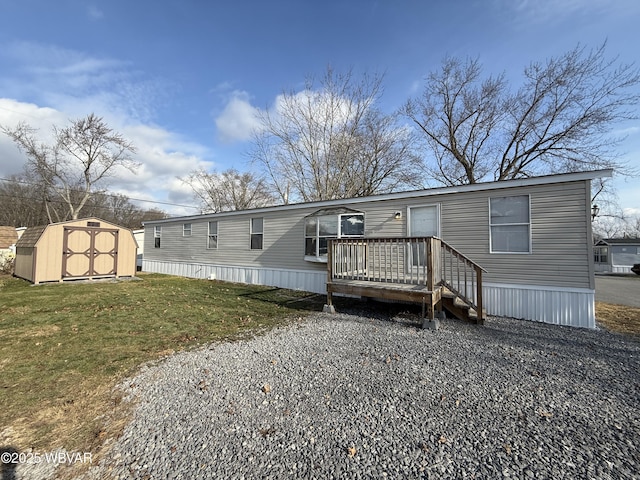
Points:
(619, 318)
(63, 347)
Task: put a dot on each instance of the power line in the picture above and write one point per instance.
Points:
(20, 113)
(105, 194)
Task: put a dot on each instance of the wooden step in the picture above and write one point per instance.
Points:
(460, 308)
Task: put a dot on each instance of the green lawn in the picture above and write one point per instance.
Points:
(63, 347)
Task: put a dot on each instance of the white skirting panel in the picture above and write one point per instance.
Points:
(605, 268)
(621, 269)
(561, 306)
(308, 281)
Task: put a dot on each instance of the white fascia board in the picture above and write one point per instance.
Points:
(476, 187)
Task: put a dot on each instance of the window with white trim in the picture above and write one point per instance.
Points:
(601, 254)
(257, 233)
(326, 224)
(510, 224)
(212, 237)
(157, 234)
(186, 229)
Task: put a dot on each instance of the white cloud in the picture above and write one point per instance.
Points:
(94, 12)
(37, 58)
(627, 131)
(238, 120)
(77, 83)
(551, 11)
(72, 84)
(162, 155)
(632, 212)
(324, 106)
(11, 113)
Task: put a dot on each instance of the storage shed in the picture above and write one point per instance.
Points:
(77, 249)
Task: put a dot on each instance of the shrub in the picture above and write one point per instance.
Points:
(7, 262)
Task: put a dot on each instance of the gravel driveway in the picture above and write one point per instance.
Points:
(347, 396)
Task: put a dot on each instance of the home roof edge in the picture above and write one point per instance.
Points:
(475, 187)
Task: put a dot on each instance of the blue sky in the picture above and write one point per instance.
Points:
(183, 79)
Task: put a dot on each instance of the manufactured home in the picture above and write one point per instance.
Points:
(520, 248)
(77, 249)
(616, 255)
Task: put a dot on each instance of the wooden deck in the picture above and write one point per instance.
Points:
(413, 269)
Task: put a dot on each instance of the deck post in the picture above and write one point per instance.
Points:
(430, 264)
(430, 321)
(328, 307)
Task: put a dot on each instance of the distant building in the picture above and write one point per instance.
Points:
(8, 238)
(616, 255)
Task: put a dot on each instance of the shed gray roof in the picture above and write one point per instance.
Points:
(30, 236)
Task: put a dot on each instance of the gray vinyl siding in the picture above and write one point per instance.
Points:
(559, 236)
(559, 231)
(283, 242)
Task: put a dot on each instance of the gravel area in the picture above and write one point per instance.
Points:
(347, 396)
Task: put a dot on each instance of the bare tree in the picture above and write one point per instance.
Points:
(607, 228)
(229, 190)
(634, 227)
(559, 120)
(80, 159)
(119, 209)
(615, 226)
(22, 204)
(331, 141)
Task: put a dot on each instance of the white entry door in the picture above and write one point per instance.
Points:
(424, 221)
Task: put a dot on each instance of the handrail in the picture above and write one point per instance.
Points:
(461, 255)
(468, 287)
(423, 261)
(405, 260)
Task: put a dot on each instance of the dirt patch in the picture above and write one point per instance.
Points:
(43, 331)
(619, 318)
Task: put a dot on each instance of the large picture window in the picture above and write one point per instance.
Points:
(326, 224)
(510, 224)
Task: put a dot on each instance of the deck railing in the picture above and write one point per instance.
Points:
(461, 275)
(426, 261)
